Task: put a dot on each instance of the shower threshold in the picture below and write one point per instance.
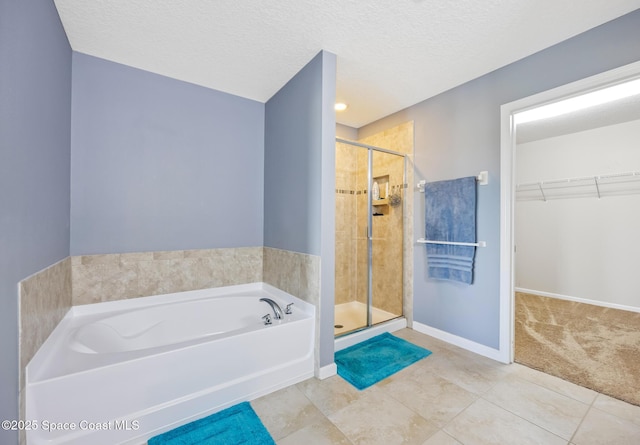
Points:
(359, 335)
(352, 316)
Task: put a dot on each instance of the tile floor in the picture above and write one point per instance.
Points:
(452, 397)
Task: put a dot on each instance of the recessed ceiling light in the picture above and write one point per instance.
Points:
(341, 106)
(587, 100)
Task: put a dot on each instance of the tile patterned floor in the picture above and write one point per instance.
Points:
(453, 397)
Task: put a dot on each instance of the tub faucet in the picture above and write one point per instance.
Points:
(277, 311)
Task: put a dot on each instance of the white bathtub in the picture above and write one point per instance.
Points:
(123, 371)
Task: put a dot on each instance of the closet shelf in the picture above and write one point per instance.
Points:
(617, 184)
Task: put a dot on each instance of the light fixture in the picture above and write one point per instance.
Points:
(587, 100)
(340, 106)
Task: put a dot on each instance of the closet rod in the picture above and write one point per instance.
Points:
(599, 186)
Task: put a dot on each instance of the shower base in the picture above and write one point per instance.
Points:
(353, 315)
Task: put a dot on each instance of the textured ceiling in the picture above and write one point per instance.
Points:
(390, 54)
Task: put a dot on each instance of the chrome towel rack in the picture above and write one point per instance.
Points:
(452, 243)
(482, 178)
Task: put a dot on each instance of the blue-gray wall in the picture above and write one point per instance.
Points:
(292, 162)
(457, 133)
(35, 114)
(160, 164)
(328, 211)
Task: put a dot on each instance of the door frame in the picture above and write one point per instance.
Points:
(507, 189)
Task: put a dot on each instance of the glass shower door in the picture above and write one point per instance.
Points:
(387, 245)
(351, 263)
(369, 236)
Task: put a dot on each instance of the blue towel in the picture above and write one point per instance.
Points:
(450, 215)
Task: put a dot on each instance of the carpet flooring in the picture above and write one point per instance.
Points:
(592, 346)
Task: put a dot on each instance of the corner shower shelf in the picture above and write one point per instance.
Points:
(380, 202)
(617, 184)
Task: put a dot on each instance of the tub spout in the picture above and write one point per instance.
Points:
(277, 311)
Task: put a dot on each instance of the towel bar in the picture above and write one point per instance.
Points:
(482, 178)
(453, 243)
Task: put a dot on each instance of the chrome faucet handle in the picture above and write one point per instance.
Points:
(276, 309)
(288, 310)
(267, 319)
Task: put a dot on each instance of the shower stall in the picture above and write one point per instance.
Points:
(370, 195)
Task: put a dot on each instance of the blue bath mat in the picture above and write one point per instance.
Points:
(375, 359)
(238, 425)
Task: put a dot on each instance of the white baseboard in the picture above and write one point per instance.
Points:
(463, 343)
(327, 371)
(578, 300)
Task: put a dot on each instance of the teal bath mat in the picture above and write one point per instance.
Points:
(238, 425)
(375, 359)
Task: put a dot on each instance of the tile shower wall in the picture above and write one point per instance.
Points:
(351, 242)
(98, 278)
(346, 232)
(391, 257)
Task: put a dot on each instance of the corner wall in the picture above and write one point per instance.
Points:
(35, 122)
(299, 183)
(458, 134)
(292, 163)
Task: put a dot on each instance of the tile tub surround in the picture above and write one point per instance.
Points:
(456, 397)
(84, 279)
(293, 272)
(297, 274)
(99, 278)
(45, 298)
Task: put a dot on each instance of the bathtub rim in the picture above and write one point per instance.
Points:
(97, 310)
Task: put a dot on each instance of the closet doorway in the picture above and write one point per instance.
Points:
(575, 212)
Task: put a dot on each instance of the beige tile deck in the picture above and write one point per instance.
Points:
(452, 397)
